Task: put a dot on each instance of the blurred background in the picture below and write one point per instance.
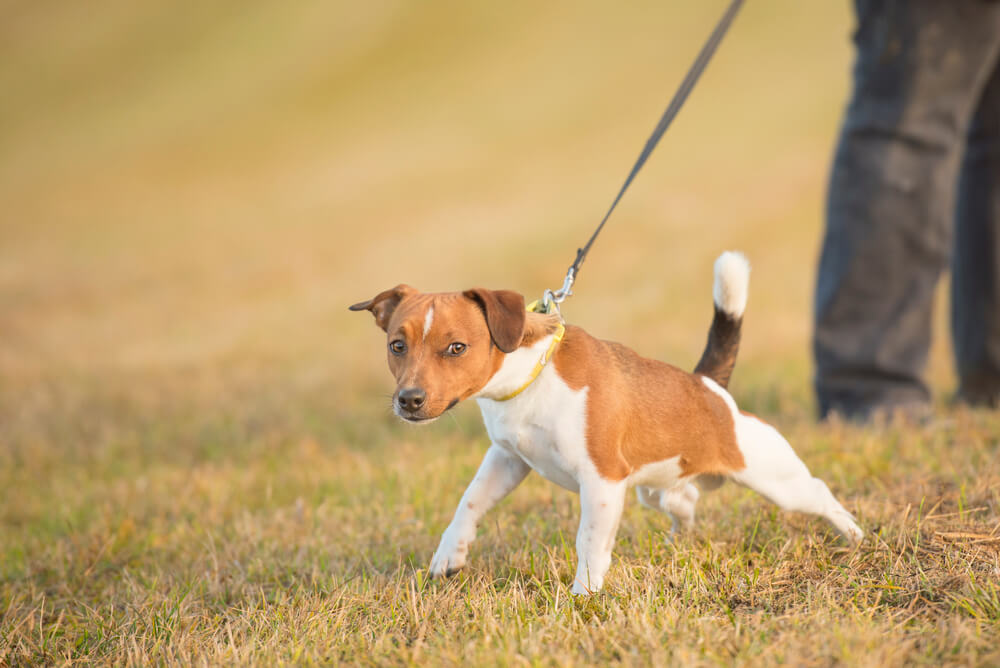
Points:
(192, 193)
(198, 463)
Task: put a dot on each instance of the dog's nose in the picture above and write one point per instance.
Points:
(411, 398)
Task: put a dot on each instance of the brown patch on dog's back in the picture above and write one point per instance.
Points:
(641, 411)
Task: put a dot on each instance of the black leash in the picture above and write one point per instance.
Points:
(675, 105)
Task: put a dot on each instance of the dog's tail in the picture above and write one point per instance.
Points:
(729, 292)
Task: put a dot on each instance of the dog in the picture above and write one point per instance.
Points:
(589, 415)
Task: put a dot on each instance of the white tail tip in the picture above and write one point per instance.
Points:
(732, 280)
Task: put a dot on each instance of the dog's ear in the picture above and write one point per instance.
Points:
(505, 315)
(383, 304)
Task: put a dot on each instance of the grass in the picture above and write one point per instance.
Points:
(196, 458)
(248, 537)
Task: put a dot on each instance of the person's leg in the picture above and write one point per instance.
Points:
(920, 68)
(975, 288)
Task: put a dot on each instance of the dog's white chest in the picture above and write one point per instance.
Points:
(545, 426)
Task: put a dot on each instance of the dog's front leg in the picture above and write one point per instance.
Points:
(500, 472)
(601, 505)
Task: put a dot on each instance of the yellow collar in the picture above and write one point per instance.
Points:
(540, 365)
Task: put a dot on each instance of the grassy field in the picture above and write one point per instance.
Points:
(197, 460)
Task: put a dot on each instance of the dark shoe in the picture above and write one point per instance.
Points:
(980, 389)
(909, 412)
(979, 398)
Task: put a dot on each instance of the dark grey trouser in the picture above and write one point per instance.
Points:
(918, 155)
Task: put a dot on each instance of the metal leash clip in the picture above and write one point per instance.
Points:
(550, 300)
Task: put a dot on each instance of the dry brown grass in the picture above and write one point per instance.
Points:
(196, 458)
(269, 531)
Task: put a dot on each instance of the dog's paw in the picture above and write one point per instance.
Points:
(587, 582)
(580, 589)
(450, 556)
(445, 567)
(847, 527)
(853, 533)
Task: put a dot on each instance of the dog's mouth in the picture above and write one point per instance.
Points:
(416, 417)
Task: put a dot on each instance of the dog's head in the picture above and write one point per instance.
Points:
(443, 348)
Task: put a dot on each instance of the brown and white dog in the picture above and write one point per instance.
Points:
(589, 415)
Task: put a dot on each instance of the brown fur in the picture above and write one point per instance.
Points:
(505, 316)
(641, 411)
(384, 303)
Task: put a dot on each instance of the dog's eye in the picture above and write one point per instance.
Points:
(456, 349)
(398, 347)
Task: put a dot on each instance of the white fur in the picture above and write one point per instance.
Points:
(775, 471)
(659, 486)
(515, 370)
(601, 505)
(678, 502)
(544, 425)
(428, 320)
(544, 428)
(732, 279)
(662, 474)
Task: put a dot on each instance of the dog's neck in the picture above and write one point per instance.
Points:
(516, 370)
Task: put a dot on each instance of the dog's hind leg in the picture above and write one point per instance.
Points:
(678, 502)
(498, 475)
(774, 470)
